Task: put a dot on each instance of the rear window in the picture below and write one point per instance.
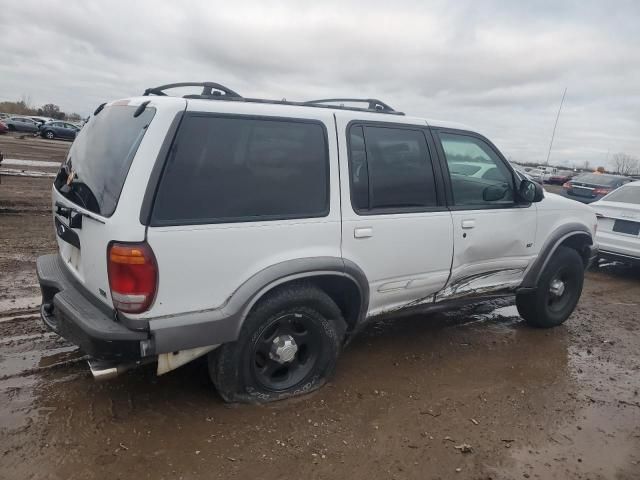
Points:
(234, 169)
(596, 179)
(627, 194)
(99, 159)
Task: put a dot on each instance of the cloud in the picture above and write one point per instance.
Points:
(500, 66)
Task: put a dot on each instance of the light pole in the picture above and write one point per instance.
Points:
(553, 134)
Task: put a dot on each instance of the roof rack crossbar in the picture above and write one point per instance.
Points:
(373, 103)
(209, 89)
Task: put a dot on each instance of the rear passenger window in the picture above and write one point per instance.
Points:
(224, 169)
(391, 170)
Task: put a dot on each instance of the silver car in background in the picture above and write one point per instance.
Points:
(618, 233)
(21, 124)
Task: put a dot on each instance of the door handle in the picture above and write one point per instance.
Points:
(363, 232)
(468, 224)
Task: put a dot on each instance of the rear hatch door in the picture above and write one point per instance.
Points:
(87, 190)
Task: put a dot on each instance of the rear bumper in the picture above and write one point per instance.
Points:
(68, 309)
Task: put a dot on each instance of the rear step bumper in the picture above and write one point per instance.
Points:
(68, 309)
(619, 257)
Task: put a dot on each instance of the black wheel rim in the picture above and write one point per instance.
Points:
(270, 365)
(560, 291)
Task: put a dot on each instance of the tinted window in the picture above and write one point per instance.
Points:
(626, 194)
(100, 158)
(240, 169)
(359, 170)
(390, 169)
(488, 183)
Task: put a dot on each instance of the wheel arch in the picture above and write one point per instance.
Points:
(342, 280)
(574, 235)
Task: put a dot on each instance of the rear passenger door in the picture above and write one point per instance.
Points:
(395, 225)
(493, 234)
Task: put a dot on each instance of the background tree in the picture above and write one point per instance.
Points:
(52, 110)
(625, 164)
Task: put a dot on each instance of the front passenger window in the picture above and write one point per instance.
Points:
(478, 176)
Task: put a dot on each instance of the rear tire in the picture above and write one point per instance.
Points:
(557, 293)
(288, 346)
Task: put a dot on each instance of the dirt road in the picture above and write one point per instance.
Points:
(561, 403)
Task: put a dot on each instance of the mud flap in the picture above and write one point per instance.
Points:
(173, 360)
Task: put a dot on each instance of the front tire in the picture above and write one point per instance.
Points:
(50, 135)
(288, 346)
(557, 293)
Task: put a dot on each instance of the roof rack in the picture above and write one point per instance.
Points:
(209, 90)
(216, 91)
(373, 103)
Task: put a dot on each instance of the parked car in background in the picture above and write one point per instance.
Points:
(59, 129)
(536, 175)
(524, 173)
(618, 233)
(559, 177)
(4, 115)
(590, 187)
(41, 120)
(3, 127)
(21, 124)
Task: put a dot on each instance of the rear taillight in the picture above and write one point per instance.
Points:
(601, 191)
(133, 276)
(566, 185)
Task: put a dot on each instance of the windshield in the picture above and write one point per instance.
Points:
(94, 172)
(627, 194)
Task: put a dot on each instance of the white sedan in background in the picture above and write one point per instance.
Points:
(618, 234)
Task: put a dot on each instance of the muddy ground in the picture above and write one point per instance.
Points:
(559, 403)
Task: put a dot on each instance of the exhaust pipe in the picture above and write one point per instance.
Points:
(105, 370)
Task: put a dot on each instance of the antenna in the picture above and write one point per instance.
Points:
(555, 125)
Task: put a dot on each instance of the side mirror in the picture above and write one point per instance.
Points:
(493, 193)
(530, 191)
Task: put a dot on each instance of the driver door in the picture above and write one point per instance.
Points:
(493, 234)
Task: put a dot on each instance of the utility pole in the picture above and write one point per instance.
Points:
(553, 134)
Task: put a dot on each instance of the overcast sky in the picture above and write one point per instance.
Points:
(499, 66)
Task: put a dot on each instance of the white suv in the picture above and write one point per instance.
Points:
(265, 233)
